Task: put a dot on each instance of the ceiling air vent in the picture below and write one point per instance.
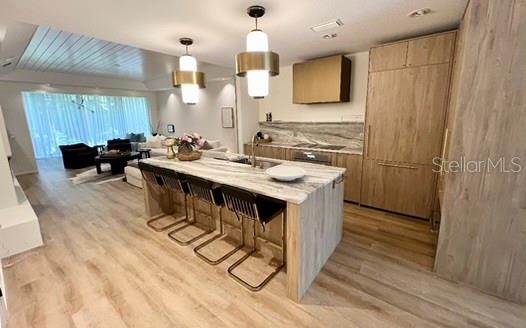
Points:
(327, 26)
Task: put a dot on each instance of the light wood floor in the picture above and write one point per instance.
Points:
(101, 267)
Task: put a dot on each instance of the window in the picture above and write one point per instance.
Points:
(61, 119)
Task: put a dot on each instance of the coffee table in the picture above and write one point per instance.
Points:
(117, 162)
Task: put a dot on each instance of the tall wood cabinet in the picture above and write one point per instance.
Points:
(406, 109)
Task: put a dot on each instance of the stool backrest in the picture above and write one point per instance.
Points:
(241, 202)
(201, 188)
(171, 179)
(148, 174)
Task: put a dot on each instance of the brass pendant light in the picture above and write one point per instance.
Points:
(257, 63)
(187, 77)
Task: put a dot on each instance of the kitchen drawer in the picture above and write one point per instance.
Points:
(403, 188)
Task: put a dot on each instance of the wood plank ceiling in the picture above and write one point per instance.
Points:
(52, 50)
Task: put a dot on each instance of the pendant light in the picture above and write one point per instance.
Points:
(187, 77)
(257, 63)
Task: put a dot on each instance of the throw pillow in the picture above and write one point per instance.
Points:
(206, 146)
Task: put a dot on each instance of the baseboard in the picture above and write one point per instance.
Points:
(26, 172)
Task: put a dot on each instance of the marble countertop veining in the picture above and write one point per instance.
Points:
(254, 179)
(345, 150)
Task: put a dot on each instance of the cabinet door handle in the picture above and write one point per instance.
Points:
(338, 180)
(399, 166)
(368, 140)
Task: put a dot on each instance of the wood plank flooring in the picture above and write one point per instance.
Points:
(102, 267)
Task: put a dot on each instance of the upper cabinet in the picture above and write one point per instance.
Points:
(430, 50)
(388, 57)
(323, 80)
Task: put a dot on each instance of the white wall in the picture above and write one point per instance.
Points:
(279, 100)
(23, 159)
(7, 189)
(204, 117)
(247, 111)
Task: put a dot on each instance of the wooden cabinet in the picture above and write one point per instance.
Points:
(265, 151)
(406, 113)
(392, 56)
(402, 188)
(426, 50)
(322, 80)
(430, 50)
(353, 175)
(270, 152)
(405, 117)
(351, 162)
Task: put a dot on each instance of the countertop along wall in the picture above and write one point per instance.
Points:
(23, 160)
(279, 100)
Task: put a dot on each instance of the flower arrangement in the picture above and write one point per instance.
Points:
(188, 142)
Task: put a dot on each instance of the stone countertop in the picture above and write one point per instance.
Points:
(346, 150)
(254, 179)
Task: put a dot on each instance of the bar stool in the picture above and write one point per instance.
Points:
(212, 194)
(260, 209)
(174, 182)
(149, 175)
(204, 190)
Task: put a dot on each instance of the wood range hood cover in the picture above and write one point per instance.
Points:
(322, 80)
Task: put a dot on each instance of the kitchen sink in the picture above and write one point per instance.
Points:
(262, 164)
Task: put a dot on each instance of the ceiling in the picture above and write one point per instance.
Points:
(219, 27)
(58, 51)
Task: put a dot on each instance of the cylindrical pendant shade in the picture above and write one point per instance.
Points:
(257, 60)
(190, 93)
(257, 81)
(189, 79)
(257, 63)
(257, 40)
(187, 63)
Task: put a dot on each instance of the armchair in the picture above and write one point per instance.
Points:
(78, 155)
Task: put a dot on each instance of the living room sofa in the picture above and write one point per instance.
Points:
(132, 172)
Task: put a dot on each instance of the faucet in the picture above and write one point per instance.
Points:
(253, 155)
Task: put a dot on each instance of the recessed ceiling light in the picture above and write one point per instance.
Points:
(327, 26)
(329, 36)
(419, 12)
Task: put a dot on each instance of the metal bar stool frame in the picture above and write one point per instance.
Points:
(198, 248)
(249, 210)
(196, 193)
(149, 175)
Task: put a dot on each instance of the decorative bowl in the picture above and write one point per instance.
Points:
(285, 172)
(191, 156)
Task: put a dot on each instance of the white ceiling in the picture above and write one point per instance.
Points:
(52, 50)
(219, 27)
(58, 51)
(43, 49)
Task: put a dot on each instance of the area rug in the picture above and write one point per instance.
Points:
(91, 176)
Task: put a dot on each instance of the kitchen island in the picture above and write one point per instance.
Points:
(314, 215)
